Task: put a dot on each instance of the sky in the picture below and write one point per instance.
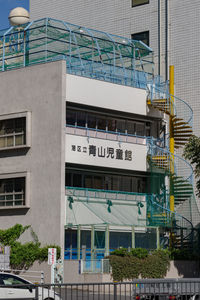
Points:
(6, 6)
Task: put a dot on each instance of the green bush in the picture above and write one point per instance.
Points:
(120, 252)
(139, 252)
(139, 263)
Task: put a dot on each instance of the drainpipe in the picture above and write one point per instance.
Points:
(166, 40)
(159, 37)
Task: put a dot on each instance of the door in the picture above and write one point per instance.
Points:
(21, 292)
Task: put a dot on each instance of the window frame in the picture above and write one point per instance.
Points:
(26, 177)
(135, 5)
(27, 116)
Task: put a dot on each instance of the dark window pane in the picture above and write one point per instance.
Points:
(140, 129)
(116, 183)
(139, 2)
(141, 36)
(120, 239)
(81, 118)
(68, 181)
(20, 124)
(98, 182)
(86, 238)
(108, 183)
(77, 180)
(130, 127)
(70, 117)
(101, 123)
(100, 239)
(125, 184)
(19, 184)
(121, 126)
(111, 124)
(70, 238)
(9, 126)
(91, 121)
(88, 181)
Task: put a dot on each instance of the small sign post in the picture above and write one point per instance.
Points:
(52, 261)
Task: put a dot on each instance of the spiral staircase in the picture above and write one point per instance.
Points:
(176, 170)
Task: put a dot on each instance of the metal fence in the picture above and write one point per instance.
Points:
(149, 289)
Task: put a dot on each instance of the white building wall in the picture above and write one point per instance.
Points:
(105, 95)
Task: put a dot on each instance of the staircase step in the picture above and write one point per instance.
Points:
(181, 127)
(188, 131)
(179, 135)
(178, 124)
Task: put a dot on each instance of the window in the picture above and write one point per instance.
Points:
(93, 180)
(141, 36)
(15, 130)
(12, 191)
(12, 132)
(139, 2)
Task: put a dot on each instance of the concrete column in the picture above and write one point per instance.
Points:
(157, 237)
(133, 237)
(79, 242)
(107, 241)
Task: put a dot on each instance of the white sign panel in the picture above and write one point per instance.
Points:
(4, 257)
(51, 256)
(105, 153)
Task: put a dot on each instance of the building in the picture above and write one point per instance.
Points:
(165, 25)
(84, 154)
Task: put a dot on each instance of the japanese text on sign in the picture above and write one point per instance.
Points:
(51, 256)
(105, 152)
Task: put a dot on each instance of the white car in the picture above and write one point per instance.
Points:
(8, 291)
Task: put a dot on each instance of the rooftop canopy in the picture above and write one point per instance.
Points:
(87, 52)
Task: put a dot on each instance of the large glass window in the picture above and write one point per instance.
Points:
(12, 132)
(120, 239)
(99, 121)
(139, 2)
(12, 191)
(94, 180)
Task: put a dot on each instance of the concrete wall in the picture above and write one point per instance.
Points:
(178, 269)
(41, 90)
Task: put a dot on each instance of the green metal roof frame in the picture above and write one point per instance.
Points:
(83, 48)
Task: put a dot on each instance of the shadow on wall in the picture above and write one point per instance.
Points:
(13, 212)
(184, 269)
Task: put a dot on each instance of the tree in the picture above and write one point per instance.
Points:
(192, 153)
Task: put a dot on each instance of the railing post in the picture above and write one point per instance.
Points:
(79, 242)
(157, 237)
(115, 291)
(36, 293)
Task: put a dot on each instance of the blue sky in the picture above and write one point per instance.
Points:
(6, 6)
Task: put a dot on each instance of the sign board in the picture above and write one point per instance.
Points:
(51, 256)
(106, 153)
(4, 257)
